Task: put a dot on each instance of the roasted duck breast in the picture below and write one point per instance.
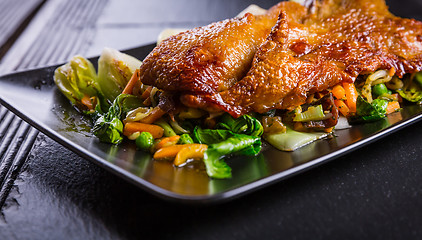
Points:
(240, 66)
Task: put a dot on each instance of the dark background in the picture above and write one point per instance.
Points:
(49, 192)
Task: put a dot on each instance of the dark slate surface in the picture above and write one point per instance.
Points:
(373, 193)
(14, 16)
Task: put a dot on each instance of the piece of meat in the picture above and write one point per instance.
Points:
(210, 59)
(307, 51)
(343, 39)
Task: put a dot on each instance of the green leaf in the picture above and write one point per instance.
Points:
(313, 113)
(412, 89)
(245, 124)
(210, 136)
(109, 127)
(108, 130)
(292, 140)
(77, 79)
(411, 95)
(239, 143)
(114, 71)
(368, 112)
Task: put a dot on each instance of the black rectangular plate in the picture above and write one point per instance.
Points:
(33, 96)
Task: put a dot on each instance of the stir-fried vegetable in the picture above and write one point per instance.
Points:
(380, 90)
(313, 113)
(240, 143)
(168, 130)
(168, 152)
(167, 141)
(145, 141)
(133, 127)
(114, 71)
(77, 80)
(109, 127)
(244, 124)
(190, 151)
(292, 140)
(411, 89)
(368, 112)
(211, 136)
(185, 139)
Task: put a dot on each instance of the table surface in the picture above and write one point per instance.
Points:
(49, 192)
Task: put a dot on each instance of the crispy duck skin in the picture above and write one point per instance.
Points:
(341, 40)
(305, 52)
(210, 59)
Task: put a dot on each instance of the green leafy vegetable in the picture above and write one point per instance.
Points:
(77, 79)
(368, 112)
(292, 140)
(108, 127)
(313, 113)
(239, 143)
(411, 95)
(412, 88)
(144, 141)
(210, 136)
(245, 124)
(114, 71)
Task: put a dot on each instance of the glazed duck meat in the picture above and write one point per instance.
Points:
(230, 66)
(209, 59)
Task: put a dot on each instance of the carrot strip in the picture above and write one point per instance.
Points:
(147, 101)
(392, 107)
(155, 114)
(167, 141)
(190, 151)
(391, 71)
(339, 92)
(351, 96)
(342, 107)
(129, 86)
(168, 152)
(132, 127)
(86, 100)
(146, 93)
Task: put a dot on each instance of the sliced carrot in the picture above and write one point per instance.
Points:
(155, 114)
(146, 93)
(339, 92)
(147, 101)
(351, 96)
(392, 107)
(397, 96)
(132, 127)
(391, 71)
(167, 141)
(86, 100)
(342, 107)
(129, 86)
(168, 152)
(190, 151)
